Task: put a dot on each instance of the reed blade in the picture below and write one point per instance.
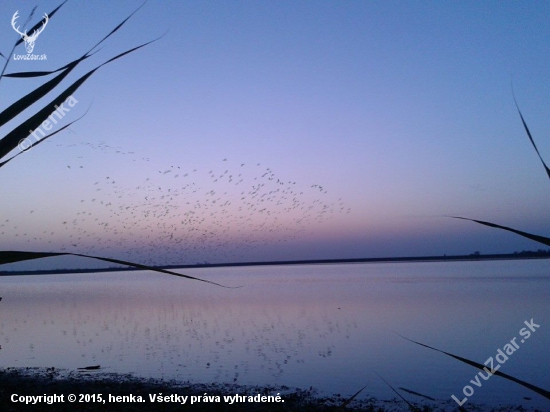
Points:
(39, 24)
(13, 256)
(411, 407)
(12, 139)
(417, 394)
(118, 27)
(18, 42)
(531, 139)
(41, 91)
(88, 54)
(27, 101)
(26, 75)
(537, 238)
(41, 140)
(484, 368)
(348, 401)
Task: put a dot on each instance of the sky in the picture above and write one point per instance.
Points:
(253, 131)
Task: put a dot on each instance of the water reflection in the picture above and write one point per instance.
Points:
(287, 325)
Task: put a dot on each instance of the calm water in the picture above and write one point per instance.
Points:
(326, 326)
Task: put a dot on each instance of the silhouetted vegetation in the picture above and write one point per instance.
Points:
(527, 254)
(12, 139)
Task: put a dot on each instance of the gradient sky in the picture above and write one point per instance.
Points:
(401, 111)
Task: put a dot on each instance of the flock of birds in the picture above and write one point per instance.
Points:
(177, 215)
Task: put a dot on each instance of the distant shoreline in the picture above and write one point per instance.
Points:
(452, 258)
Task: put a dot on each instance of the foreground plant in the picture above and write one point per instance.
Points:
(11, 140)
(537, 238)
(490, 371)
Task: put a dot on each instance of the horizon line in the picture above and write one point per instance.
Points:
(542, 254)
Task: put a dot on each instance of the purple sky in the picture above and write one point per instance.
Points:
(349, 129)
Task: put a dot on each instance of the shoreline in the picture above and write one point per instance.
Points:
(409, 259)
(125, 390)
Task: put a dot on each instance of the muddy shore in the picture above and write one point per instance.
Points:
(123, 392)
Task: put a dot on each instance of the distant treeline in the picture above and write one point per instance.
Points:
(524, 254)
(539, 252)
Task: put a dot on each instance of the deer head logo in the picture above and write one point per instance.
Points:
(29, 40)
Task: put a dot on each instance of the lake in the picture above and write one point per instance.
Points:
(328, 326)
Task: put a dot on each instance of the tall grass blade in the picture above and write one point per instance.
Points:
(537, 238)
(348, 401)
(39, 24)
(41, 140)
(88, 54)
(41, 91)
(13, 256)
(26, 75)
(12, 139)
(37, 94)
(18, 42)
(118, 56)
(118, 26)
(531, 139)
(31, 15)
(417, 394)
(411, 407)
(527, 385)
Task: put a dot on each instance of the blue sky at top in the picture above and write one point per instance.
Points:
(402, 112)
